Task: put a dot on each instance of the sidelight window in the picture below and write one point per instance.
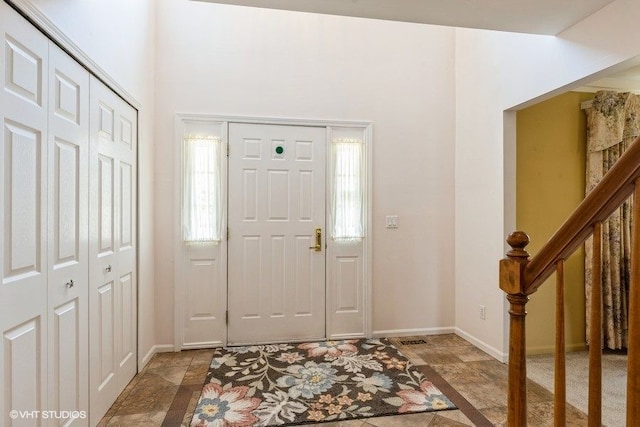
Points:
(202, 204)
(348, 191)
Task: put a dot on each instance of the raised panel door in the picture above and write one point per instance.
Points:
(276, 284)
(112, 247)
(68, 263)
(23, 216)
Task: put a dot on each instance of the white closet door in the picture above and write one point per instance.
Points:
(23, 217)
(112, 253)
(68, 236)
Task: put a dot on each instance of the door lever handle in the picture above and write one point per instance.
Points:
(318, 240)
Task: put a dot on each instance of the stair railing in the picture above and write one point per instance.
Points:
(521, 275)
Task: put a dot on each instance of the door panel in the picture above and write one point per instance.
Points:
(24, 365)
(24, 154)
(276, 281)
(112, 228)
(68, 359)
(126, 206)
(23, 215)
(106, 203)
(204, 313)
(106, 340)
(68, 287)
(126, 317)
(102, 227)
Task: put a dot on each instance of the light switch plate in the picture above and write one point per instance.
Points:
(392, 221)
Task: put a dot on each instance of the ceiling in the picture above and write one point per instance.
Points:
(627, 80)
(524, 16)
(548, 17)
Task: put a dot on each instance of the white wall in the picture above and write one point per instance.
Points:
(494, 72)
(119, 36)
(233, 60)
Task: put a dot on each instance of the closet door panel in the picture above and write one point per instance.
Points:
(24, 366)
(112, 248)
(126, 334)
(68, 235)
(103, 283)
(104, 359)
(125, 241)
(23, 215)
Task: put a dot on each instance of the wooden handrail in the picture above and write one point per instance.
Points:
(521, 275)
(616, 186)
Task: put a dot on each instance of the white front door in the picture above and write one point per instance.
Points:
(276, 281)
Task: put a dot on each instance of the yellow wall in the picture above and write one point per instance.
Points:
(550, 182)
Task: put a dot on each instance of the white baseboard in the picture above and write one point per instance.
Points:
(165, 348)
(413, 332)
(492, 351)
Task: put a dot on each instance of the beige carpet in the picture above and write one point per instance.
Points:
(614, 382)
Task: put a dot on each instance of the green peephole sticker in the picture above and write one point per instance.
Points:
(279, 149)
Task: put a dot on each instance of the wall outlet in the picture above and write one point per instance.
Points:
(483, 312)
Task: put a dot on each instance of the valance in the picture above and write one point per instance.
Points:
(612, 118)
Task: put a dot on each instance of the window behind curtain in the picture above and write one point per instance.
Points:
(202, 206)
(348, 191)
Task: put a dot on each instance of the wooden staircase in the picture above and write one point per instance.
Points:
(521, 275)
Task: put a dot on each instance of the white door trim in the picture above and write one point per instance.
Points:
(362, 327)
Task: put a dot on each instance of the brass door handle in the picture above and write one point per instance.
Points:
(318, 245)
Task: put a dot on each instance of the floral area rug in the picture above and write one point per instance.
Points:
(289, 384)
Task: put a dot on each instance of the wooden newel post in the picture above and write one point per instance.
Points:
(512, 282)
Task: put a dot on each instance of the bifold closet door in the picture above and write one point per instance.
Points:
(67, 232)
(23, 216)
(112, 247)
(68, 235)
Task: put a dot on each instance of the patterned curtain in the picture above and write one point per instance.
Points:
(613, 122)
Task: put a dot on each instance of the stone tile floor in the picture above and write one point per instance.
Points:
(171, 382)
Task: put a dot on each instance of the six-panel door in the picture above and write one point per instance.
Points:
(112, 254)
(23, 216)
(276, 282)
(68, 236)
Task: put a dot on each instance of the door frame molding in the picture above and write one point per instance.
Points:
(365, 128)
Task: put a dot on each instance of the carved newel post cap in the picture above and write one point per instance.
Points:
(518, 240)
